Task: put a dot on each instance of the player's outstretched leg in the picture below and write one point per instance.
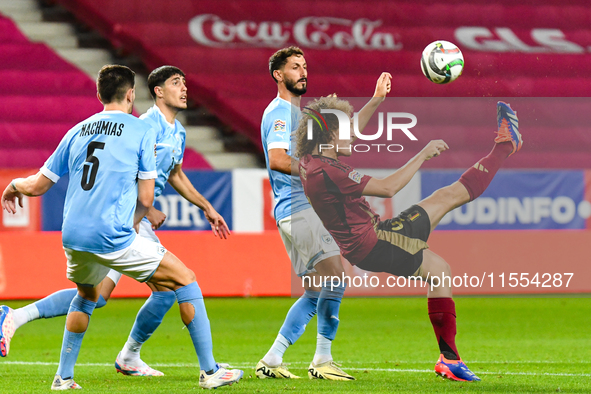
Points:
(469, 187)
(173, 274)
(442, 313)
(476, 179)
(300, 313)
(148, 319)
(507, 142)
(56, 304)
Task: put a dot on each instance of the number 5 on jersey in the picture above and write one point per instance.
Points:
(92, 163)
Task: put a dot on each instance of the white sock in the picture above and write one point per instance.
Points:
(131, 350)
(274, 356)
(323, 353)
(24, 315)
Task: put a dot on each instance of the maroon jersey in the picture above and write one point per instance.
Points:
(335, 191)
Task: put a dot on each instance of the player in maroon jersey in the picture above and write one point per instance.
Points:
(399, 245)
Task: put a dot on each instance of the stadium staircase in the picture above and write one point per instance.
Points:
(30, 129)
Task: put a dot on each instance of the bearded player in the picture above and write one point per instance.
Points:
(311, 249)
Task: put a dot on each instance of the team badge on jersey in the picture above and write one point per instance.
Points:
(279, 126)
(355, 176)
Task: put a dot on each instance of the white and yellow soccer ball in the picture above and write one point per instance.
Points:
(442, 62)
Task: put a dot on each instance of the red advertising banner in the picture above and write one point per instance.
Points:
(33, 265)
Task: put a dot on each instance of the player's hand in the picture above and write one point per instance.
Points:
(383, 86)
(155, 217)
(434, 149)
(10, 198)
(218, 224)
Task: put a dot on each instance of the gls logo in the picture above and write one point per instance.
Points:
(345, 129)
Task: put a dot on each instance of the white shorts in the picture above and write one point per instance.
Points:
(138, 261)
(145, 232)
(306, 240)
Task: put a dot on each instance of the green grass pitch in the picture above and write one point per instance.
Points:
(516, 345)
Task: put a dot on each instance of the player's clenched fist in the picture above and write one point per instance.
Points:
(434, 148)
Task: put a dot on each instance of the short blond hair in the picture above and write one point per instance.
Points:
(323, 128)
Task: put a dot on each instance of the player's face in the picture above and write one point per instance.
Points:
(295, 75)
(175, 92)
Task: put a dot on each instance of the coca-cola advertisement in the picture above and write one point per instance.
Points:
(309, 32)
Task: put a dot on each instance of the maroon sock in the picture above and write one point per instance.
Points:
(477, 178)
(442, 313)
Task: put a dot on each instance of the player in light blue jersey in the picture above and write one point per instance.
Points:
(312, 250)
(317, 254)
(167, 84)
(168, 88)
(110, 159)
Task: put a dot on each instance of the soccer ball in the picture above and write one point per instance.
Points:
(442, 62)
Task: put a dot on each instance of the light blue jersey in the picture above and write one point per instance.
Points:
(104, 155)
(170, 145)
(280, 121)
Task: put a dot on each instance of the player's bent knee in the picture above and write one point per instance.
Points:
(157, 288)
(184, 277)
(434, 264)
(311, 282)
(331, 266)
(191, 276)
(171, 269)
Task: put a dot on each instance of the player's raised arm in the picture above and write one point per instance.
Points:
(383, 87)
(393, 183)
(34, 185)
